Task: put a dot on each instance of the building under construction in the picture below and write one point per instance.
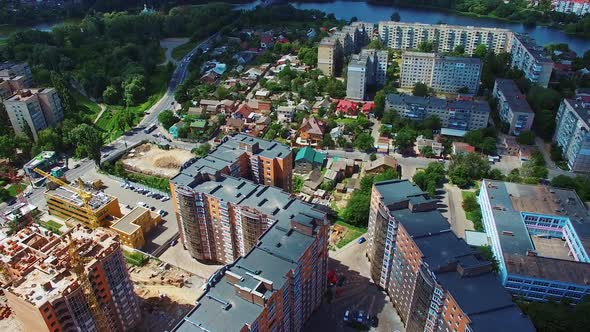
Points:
(74, 282)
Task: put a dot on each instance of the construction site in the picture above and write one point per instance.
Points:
(46, 282)
(149, 159)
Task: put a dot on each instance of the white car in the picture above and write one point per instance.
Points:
(162, 213)
(142, 204)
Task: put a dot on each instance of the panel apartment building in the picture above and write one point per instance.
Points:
(281, 278)
(455, 115)
(46, 295)
(442, 73)
(38, 108)
(531, 59)
(512, 106)
(367, 68)
(14, 77)
(408, 36)
(343, 43)
(541, 238)
(212, 227)
(572, 132)
(435, 280)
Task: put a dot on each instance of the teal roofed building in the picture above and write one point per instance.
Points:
(174, 129)
(308, 159)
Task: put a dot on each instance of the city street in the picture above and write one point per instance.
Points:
(357, 293)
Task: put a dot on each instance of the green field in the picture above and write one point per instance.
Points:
(91, 108)
(352, 233)
(180, 51)
(156, 89)
(345, 121)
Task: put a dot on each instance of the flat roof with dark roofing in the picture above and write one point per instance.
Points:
(277, 252)
(395, 191)
(537, 51)
(486, 302)
(438, 103)
(418, 224)
(515, 99)
(226, 154)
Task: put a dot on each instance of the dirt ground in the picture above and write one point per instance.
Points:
(337, 234)
(9, 323)
(166, 294)
(151, 160)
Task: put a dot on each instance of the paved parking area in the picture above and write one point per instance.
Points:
(357, 293)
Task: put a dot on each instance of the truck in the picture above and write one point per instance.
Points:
(150, 129)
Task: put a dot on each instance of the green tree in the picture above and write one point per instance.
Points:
(7, 147)
(420, 89)
(426, 151)
(459, 50)
(395, 17)
(88, 142)
(134, 90)
(404, 141)
(167, 119)
(297, 183)
(67, 101)
(430, 178)
(466, 168)
(526, 138)
(123, 119)
(426, 46)
(202, 150)
(111, 95)
(364, 142)
(480, 51)
(379, 104)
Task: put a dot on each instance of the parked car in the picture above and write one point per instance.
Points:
(142, 204)
(374, 321)
(361, 240)
(347, 315)
(360, 317)
(162, 213)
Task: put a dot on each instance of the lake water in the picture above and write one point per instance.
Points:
(375, 13)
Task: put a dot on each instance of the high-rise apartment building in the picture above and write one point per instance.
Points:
(540, 237)
(572, 127)
(408, 36)
(281, 277)
(435, 280)
(329, 54)
(213, 226)
(512, 106)
(461, 115)
(45, 293)
(447, 74)
(37, 108)
(367, 68)
(531, 59)
(17, 72)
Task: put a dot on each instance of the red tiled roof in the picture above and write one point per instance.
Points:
(313, 126)
(368, 107)
(244, 110)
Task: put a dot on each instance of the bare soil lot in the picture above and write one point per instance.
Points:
(151, 160)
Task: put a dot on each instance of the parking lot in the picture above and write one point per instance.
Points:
(357, 293)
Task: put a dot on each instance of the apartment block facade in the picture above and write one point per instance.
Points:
(534, 228)
(531, 59)
(278, 283)
(435, 280)
(46, 295)
(462, 115)
(219, 228)
(572, 126)
(36, 108)
(578, 7)
(445, 74)
(512, 106)
(349, 40)
(17, 72)
(367, 68)
(329, 54)
(408, 36)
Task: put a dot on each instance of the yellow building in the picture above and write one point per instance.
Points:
(66, 204)
(133, 226)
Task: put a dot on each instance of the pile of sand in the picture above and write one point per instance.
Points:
(168, 162)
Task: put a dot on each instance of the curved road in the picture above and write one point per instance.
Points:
(111, 151)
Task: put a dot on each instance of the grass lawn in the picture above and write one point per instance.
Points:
(180, 51)
(12, 189)
(345, 121)
(352, 233)
(91, 108)
(156, 89)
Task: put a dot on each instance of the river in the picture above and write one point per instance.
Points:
(375, 13)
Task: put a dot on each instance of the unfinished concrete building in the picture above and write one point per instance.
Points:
(47, 295)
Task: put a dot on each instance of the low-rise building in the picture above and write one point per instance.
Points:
(44, 161)
(308, 159)
(460, 147)
(434, 144)
(65, 204)
(512, 106)
(133, 226)
(311, 131)
(285, 114)
(532, 59)
(447, 74)
(572, 132)
(382, 164)
(37, 108)
(18, 73)
(540, 238)
(434, 279)
(461, 115)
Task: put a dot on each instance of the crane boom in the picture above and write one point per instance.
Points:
(84, 195)
(78, 268)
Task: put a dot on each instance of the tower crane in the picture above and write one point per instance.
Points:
(77, 263)
(84, 195)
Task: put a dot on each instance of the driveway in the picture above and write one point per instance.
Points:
(357, 293)
(452, 209)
